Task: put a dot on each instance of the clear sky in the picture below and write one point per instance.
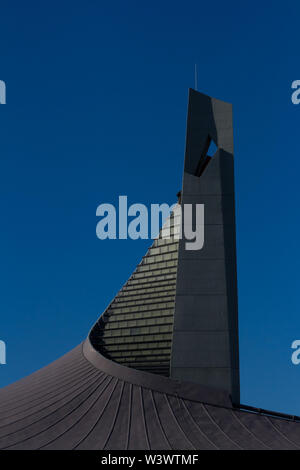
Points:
(96, 108)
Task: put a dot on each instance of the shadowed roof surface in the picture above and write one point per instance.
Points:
(85, 401)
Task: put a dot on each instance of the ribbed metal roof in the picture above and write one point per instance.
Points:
(136, 328)
(85, 401)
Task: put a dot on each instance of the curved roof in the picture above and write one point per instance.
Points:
(85, 401)
(176, 317)
(136, 328)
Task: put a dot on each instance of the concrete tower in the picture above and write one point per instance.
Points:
(205, 336)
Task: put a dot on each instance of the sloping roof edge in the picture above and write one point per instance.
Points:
(186, 390)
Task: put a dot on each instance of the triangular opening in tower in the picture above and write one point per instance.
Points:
(208, 153)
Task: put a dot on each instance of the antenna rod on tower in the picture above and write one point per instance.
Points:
(196, 78)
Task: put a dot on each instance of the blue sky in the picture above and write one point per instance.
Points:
(96, 108)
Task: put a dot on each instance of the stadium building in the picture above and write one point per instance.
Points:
(160, 368)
